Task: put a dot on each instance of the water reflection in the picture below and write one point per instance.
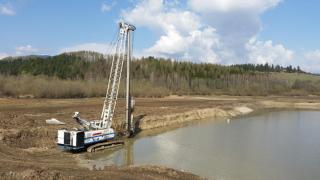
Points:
(117, 156)
(128, 149)
(274, 145)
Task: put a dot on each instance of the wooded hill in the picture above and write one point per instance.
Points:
(85, 74)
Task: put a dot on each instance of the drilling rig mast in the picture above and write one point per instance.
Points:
(98, 131)
(123, 52)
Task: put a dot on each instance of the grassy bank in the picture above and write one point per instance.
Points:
(284, 84)
(52, 87)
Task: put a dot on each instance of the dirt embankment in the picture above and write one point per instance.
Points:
(233, 107)
(28, 148)
(111, 172)
(159, 121)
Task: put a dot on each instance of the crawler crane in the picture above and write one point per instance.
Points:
(99, 134)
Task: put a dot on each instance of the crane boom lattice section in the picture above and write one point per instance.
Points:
(115, 74)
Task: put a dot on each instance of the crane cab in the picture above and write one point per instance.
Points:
(75, 139)
(71, 139)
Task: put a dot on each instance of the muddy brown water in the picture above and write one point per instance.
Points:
(271, 145)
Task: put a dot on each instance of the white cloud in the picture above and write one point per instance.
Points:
(6, 10)
(27, 49)
(216, 31)
(260, 52)
(311, 61)
(96, 47)
(208, 6)
(182, 35)
(3, 55)
(105, 7)
(158, 15)
(170, 43)
(198, 45)
(313, 55)
(235, 21)
(20, 51)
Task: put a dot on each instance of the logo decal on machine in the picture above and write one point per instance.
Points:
(95, 134)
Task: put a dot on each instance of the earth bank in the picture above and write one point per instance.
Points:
(28, 148)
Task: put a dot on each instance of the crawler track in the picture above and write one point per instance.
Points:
(105, 145)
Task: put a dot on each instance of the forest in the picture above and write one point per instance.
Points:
(85, 74)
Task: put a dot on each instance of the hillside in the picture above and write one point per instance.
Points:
(85, 74)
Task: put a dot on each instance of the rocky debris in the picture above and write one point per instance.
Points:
(28, 137)
(35, 174)
(54, 121)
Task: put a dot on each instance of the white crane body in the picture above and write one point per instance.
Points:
(100, 130)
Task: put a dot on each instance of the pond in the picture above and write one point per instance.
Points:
(271, 145)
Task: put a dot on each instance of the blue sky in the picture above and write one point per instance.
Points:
(218, 31)
(294, 23)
